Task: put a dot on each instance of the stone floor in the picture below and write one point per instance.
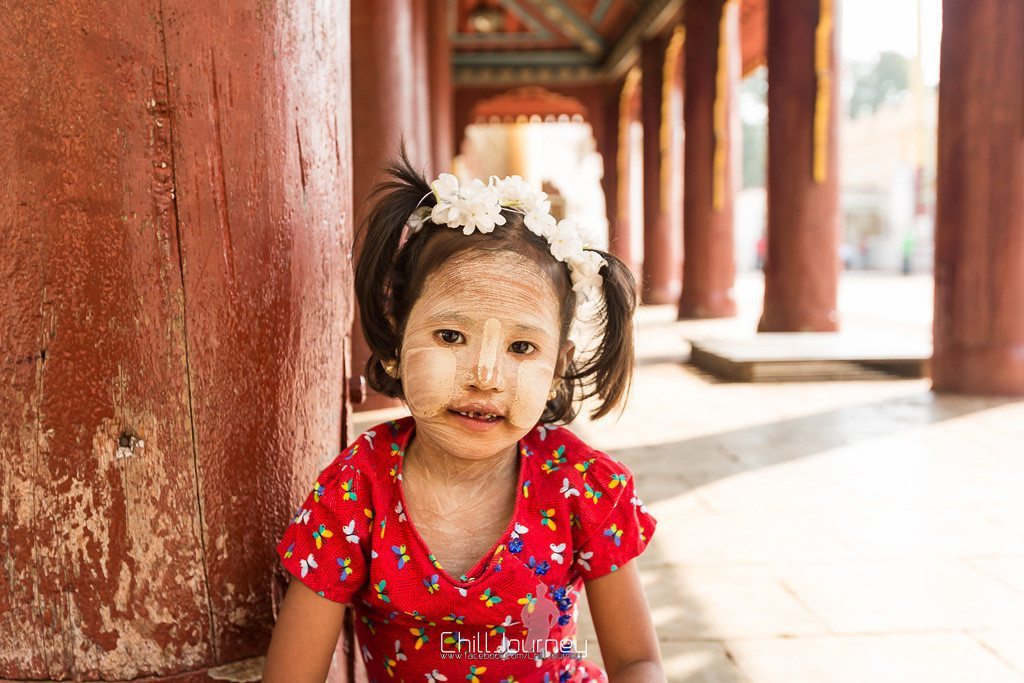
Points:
(860, 531)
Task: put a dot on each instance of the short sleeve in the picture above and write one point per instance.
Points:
(327, 544)
(614, 525)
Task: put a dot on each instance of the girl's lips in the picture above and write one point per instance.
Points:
(477, 424)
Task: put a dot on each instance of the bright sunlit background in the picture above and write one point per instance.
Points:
(890, 70)
(864, 36)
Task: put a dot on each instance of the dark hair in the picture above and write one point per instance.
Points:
(390, 274)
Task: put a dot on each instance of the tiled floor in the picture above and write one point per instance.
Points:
(847, 531)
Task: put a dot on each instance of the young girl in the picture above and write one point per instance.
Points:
(464, 534)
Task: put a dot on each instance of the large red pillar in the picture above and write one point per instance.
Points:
(979, 231)
(712, 157)
(801, 272)
(387, 104)
(661, 112)
(175, 215)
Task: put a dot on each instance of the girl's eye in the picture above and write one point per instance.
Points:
(449, 336)
(521, 347)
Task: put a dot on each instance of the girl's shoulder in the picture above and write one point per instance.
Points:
(609, 523)
(564, 448)
(374, 451)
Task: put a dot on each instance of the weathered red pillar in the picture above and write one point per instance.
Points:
(387, 105)
(442, 94)
(712, 55)
(979, 231)
(801, 272)
(173, 233)
(661, 112)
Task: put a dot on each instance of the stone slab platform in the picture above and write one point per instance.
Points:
(809, 356)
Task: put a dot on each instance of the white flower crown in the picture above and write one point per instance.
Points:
(475, 206)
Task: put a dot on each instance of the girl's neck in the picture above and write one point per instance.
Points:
(441, 466)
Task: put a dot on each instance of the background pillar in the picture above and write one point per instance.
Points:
(607, 141)
(421, 137)
(623, 239)
(661, 104)
(979, 230)
(442, 93)
(174, 312)
(387, 104)
(712, 157)
(801, 271)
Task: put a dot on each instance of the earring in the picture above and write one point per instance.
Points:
(552, 394)
(390, 367)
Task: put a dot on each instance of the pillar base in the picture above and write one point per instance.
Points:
(707, 305)
(657, 296)
(991, 370)
(799, 321)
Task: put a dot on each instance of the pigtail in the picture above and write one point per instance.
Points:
(381, 232)
(607, 372)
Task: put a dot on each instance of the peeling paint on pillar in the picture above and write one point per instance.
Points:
(175, 313)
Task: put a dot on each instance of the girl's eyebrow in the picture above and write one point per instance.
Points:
(465, 321)
(449, 318)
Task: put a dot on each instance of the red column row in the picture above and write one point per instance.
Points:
(802, 265)
(979, 260)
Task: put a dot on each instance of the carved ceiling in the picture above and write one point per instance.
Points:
(498, 42)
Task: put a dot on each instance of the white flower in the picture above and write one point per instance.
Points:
(480, 208)
(588, 237)
(471, 207)
(445, 187)
(586, 274)
(446, 213)
(516, 193)
(565, 240)
(415, 222)
(539, 220)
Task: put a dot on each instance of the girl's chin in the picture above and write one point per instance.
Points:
(458, 435)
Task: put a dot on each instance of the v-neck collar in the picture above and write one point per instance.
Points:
(484, 565)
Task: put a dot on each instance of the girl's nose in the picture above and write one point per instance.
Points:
(488, 367)
(490, 378)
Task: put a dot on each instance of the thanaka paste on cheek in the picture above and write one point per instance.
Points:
(429, 380)
(530, 392)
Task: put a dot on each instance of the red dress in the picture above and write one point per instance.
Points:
(512, 617)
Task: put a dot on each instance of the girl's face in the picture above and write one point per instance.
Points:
(480, 352)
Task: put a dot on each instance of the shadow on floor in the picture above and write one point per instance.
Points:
(709, 458)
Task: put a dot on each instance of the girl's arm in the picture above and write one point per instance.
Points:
(625, 632)
(304, 638)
